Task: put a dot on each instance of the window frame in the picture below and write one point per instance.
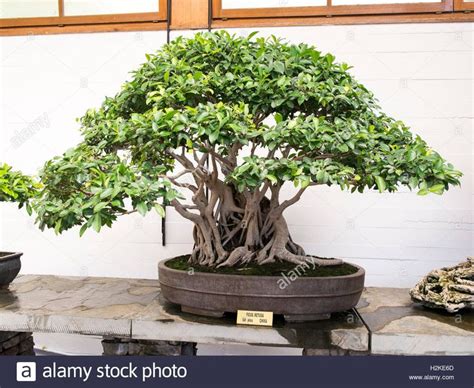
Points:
(331, 10)
(62, 20)
(449, 11)
(461, 5)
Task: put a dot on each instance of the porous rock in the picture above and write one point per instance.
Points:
(448, 288)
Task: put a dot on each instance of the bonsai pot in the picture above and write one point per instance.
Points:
(10, 265)
(304, 298)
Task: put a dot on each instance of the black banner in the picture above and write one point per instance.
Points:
(242, 372)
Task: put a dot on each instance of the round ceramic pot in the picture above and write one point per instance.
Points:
(10, 265)
(304, 298)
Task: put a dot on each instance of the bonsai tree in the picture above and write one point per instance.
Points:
(214, 126)
(16, 187)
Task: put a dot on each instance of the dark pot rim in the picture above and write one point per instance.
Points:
(10, 256)
(162, 266)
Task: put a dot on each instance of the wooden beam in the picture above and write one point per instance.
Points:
(80, 20)
(462, 5)
(87, 28)
(344, 20)
(189, 14)
(331, 10)
(63, 19)
(61, 8)
(193, 14)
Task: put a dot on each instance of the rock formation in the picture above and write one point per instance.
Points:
(449, 288)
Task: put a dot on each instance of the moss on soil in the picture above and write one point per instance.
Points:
(272, 269)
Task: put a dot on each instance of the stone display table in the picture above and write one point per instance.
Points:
(134, 309)
(398, 326)
(133, 318)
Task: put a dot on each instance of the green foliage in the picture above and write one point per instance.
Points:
(365, 151)
(90, 188)
(314, 121)
(16, 187)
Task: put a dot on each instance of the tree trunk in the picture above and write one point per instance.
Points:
(236, 228)
(240, 233)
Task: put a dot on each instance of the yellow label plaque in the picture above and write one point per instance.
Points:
(258, 318)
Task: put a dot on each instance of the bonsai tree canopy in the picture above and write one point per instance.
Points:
(16, 187)
(214, 126)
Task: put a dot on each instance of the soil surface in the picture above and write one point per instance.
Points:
(272, 269)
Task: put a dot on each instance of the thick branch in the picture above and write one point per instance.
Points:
(287, 203)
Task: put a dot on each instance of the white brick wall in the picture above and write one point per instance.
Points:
(421, 74)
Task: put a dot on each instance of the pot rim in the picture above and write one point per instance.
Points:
(360, 272)
(10, 256)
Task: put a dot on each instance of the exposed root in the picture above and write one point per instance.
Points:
(237, 255)
(293, 247)
(279, 247)
(265, 256)
(232, 228)
(298, 259)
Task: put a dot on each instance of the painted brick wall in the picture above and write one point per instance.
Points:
(422, 74)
